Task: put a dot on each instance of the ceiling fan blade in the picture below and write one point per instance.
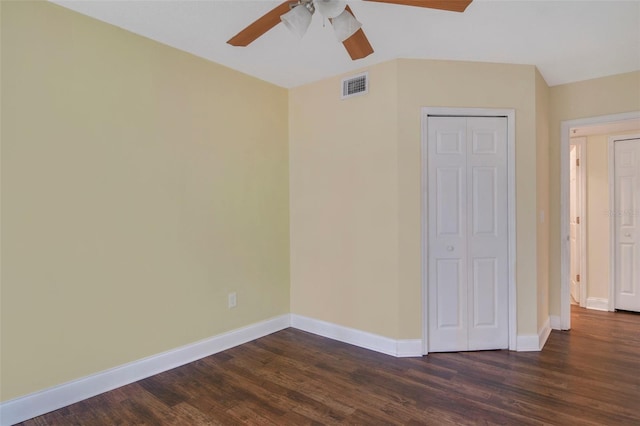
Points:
(450, 5)
(357, 45)
(260, 26)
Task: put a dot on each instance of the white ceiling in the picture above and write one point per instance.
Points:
(568, 40)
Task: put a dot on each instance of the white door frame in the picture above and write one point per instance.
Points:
(612, 221)
(510, 115)
(581, 142)
(565, 127)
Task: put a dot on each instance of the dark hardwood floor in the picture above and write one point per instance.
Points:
(587, 376)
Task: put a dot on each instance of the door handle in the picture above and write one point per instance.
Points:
(627, 234)
(449, 248)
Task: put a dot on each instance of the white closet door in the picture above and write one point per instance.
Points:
(487, 233)
(627, 229)
(447, 168)
(468, 241)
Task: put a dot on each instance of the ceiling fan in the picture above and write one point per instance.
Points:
(296, 15)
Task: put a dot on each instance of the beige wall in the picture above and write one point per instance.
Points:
(135, 197)
(343, 192)
(591, 98)
(465, 84)
(355, 190)
(542, 196)
(597, 217)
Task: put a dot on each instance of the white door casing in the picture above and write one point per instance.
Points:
(625, 217)
(468, 227)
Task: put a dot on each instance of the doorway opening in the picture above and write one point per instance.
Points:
(577, 219)
(596, 215)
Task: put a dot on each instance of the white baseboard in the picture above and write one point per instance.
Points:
(556, 323)
(44, 401)
(534, 342)
(363, 339)
(408, 348)
(597, 303)
(544, 332)
(527, 342)
(38, 403)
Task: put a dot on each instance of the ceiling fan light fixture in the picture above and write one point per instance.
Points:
(345, 25)
(330, 8)
(297, 20)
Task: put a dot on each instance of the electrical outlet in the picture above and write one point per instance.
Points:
(233, 300)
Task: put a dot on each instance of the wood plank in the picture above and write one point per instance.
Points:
(586, 376)
(260, 26)
(450, 5)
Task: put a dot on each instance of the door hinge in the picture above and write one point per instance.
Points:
(578, 220)
(578, 278)
(577, 162)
